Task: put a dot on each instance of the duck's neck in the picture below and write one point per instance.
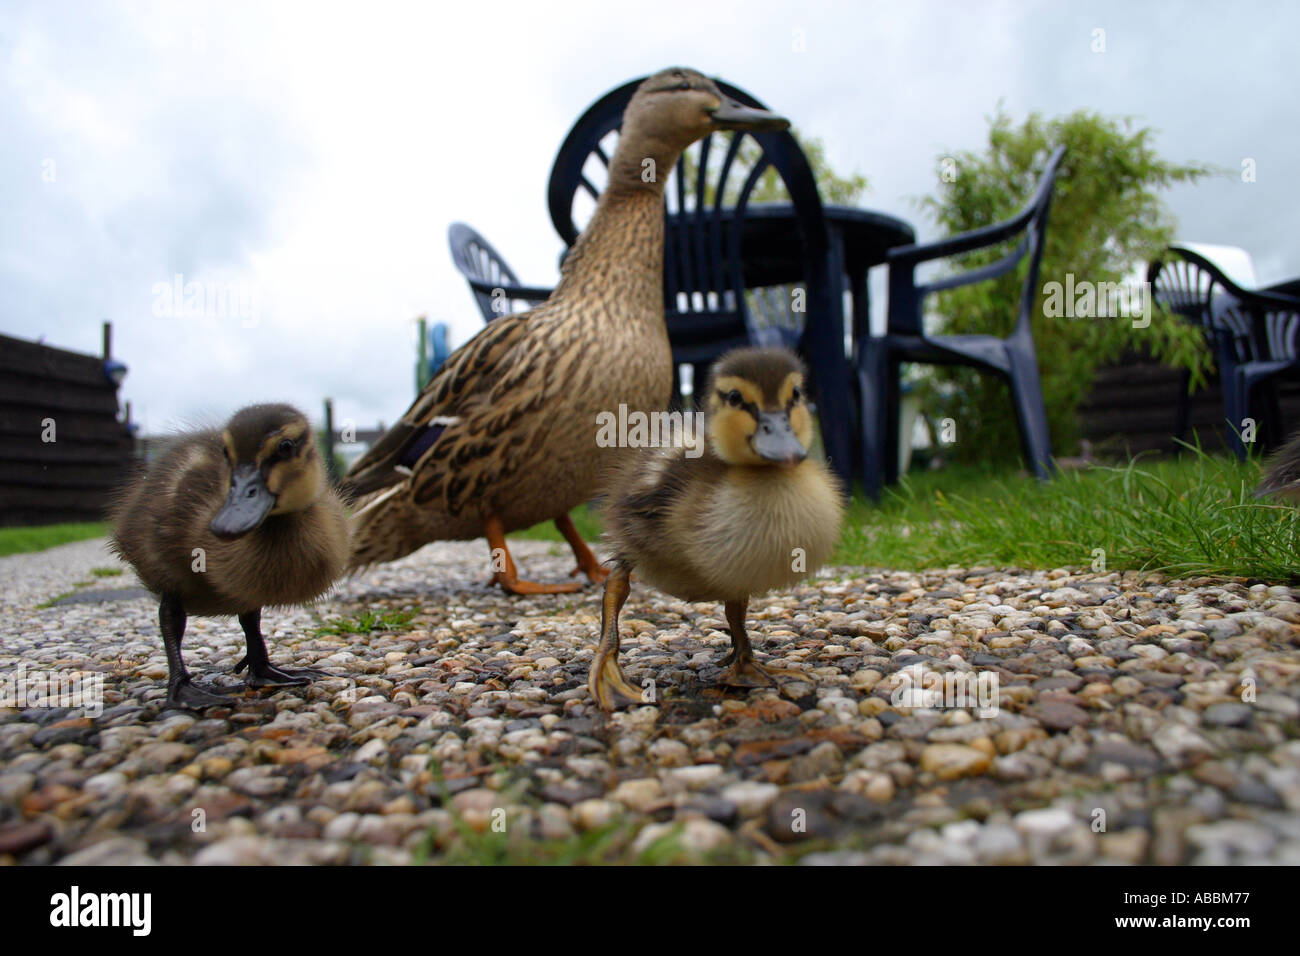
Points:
(629, 217)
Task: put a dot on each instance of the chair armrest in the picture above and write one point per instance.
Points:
(962, 242)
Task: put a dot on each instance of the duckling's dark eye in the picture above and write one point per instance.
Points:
(735, 399)
(684, 85)
(286, 447)
(796, 395)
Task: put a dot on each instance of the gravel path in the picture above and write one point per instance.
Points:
(1136, 721)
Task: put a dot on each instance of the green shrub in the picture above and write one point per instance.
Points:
(1105, 219)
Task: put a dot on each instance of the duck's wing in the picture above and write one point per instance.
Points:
(475, 367)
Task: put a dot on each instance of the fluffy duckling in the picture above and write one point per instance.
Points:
(1282, 473)
(501, 438)
(750, 512)
(228, 522)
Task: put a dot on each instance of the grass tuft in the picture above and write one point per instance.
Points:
(23, 540)
(1191, 515)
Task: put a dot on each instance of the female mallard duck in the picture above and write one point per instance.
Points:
(748, 513)
(229, 522)
(503, 436)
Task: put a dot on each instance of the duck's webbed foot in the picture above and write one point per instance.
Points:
(504, 572)
(268, 675)
(261, 672)
(743, 671)
(185, 693)
(181, 690)
(609, 687)
(587, 564)
(605, 681)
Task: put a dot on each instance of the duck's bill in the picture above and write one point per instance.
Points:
(733, 115)
(246, 506)
(775, 441)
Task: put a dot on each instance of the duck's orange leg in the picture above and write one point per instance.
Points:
(503, 566)
(587, 562)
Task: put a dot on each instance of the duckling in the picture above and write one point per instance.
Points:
(503, 436)
(1282, 473)
(226, 523)
(750, 512)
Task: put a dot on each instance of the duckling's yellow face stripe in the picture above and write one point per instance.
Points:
(271, 444)
(794, 397)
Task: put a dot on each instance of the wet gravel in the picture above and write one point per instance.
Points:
(1134, 720)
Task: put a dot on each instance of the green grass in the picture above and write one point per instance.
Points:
(1195, 514)
(22, 540)
(366, 622)
(586, 519)
(105, 572)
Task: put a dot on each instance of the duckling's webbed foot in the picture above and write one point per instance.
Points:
(608, 687)
(587, 563)
(185, 693)
(261, 672)
(504, 572)
(743, 671)
(181, 690)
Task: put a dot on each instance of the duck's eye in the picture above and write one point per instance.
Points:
(286, 446)
(735, 399)
(796, 395)
(684, 85)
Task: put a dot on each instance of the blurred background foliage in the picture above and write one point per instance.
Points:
(1106, 219)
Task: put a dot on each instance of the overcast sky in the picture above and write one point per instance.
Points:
(312, 156)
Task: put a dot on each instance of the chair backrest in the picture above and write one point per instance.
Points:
(1262, 326)
(1189, 284)
(705, 200)
(483, 266)
(1030, 224)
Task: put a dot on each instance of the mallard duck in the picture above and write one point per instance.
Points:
(228, 522)
(1282, 473)
(747, 513)
(503, 436)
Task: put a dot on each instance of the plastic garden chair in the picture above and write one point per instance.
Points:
(1252, 334)
(705, 268)
(495, 286)
(1266, 350)
(905, 338)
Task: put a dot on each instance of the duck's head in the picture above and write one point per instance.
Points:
(274, 468)
(677, 106)
(757, 410)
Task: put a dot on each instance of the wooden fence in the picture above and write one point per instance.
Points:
(1133, 408)
(62, 448)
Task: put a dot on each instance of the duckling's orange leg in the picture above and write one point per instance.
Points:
(504, 573)
(744, 670)
(608, 687)
(587, 562)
